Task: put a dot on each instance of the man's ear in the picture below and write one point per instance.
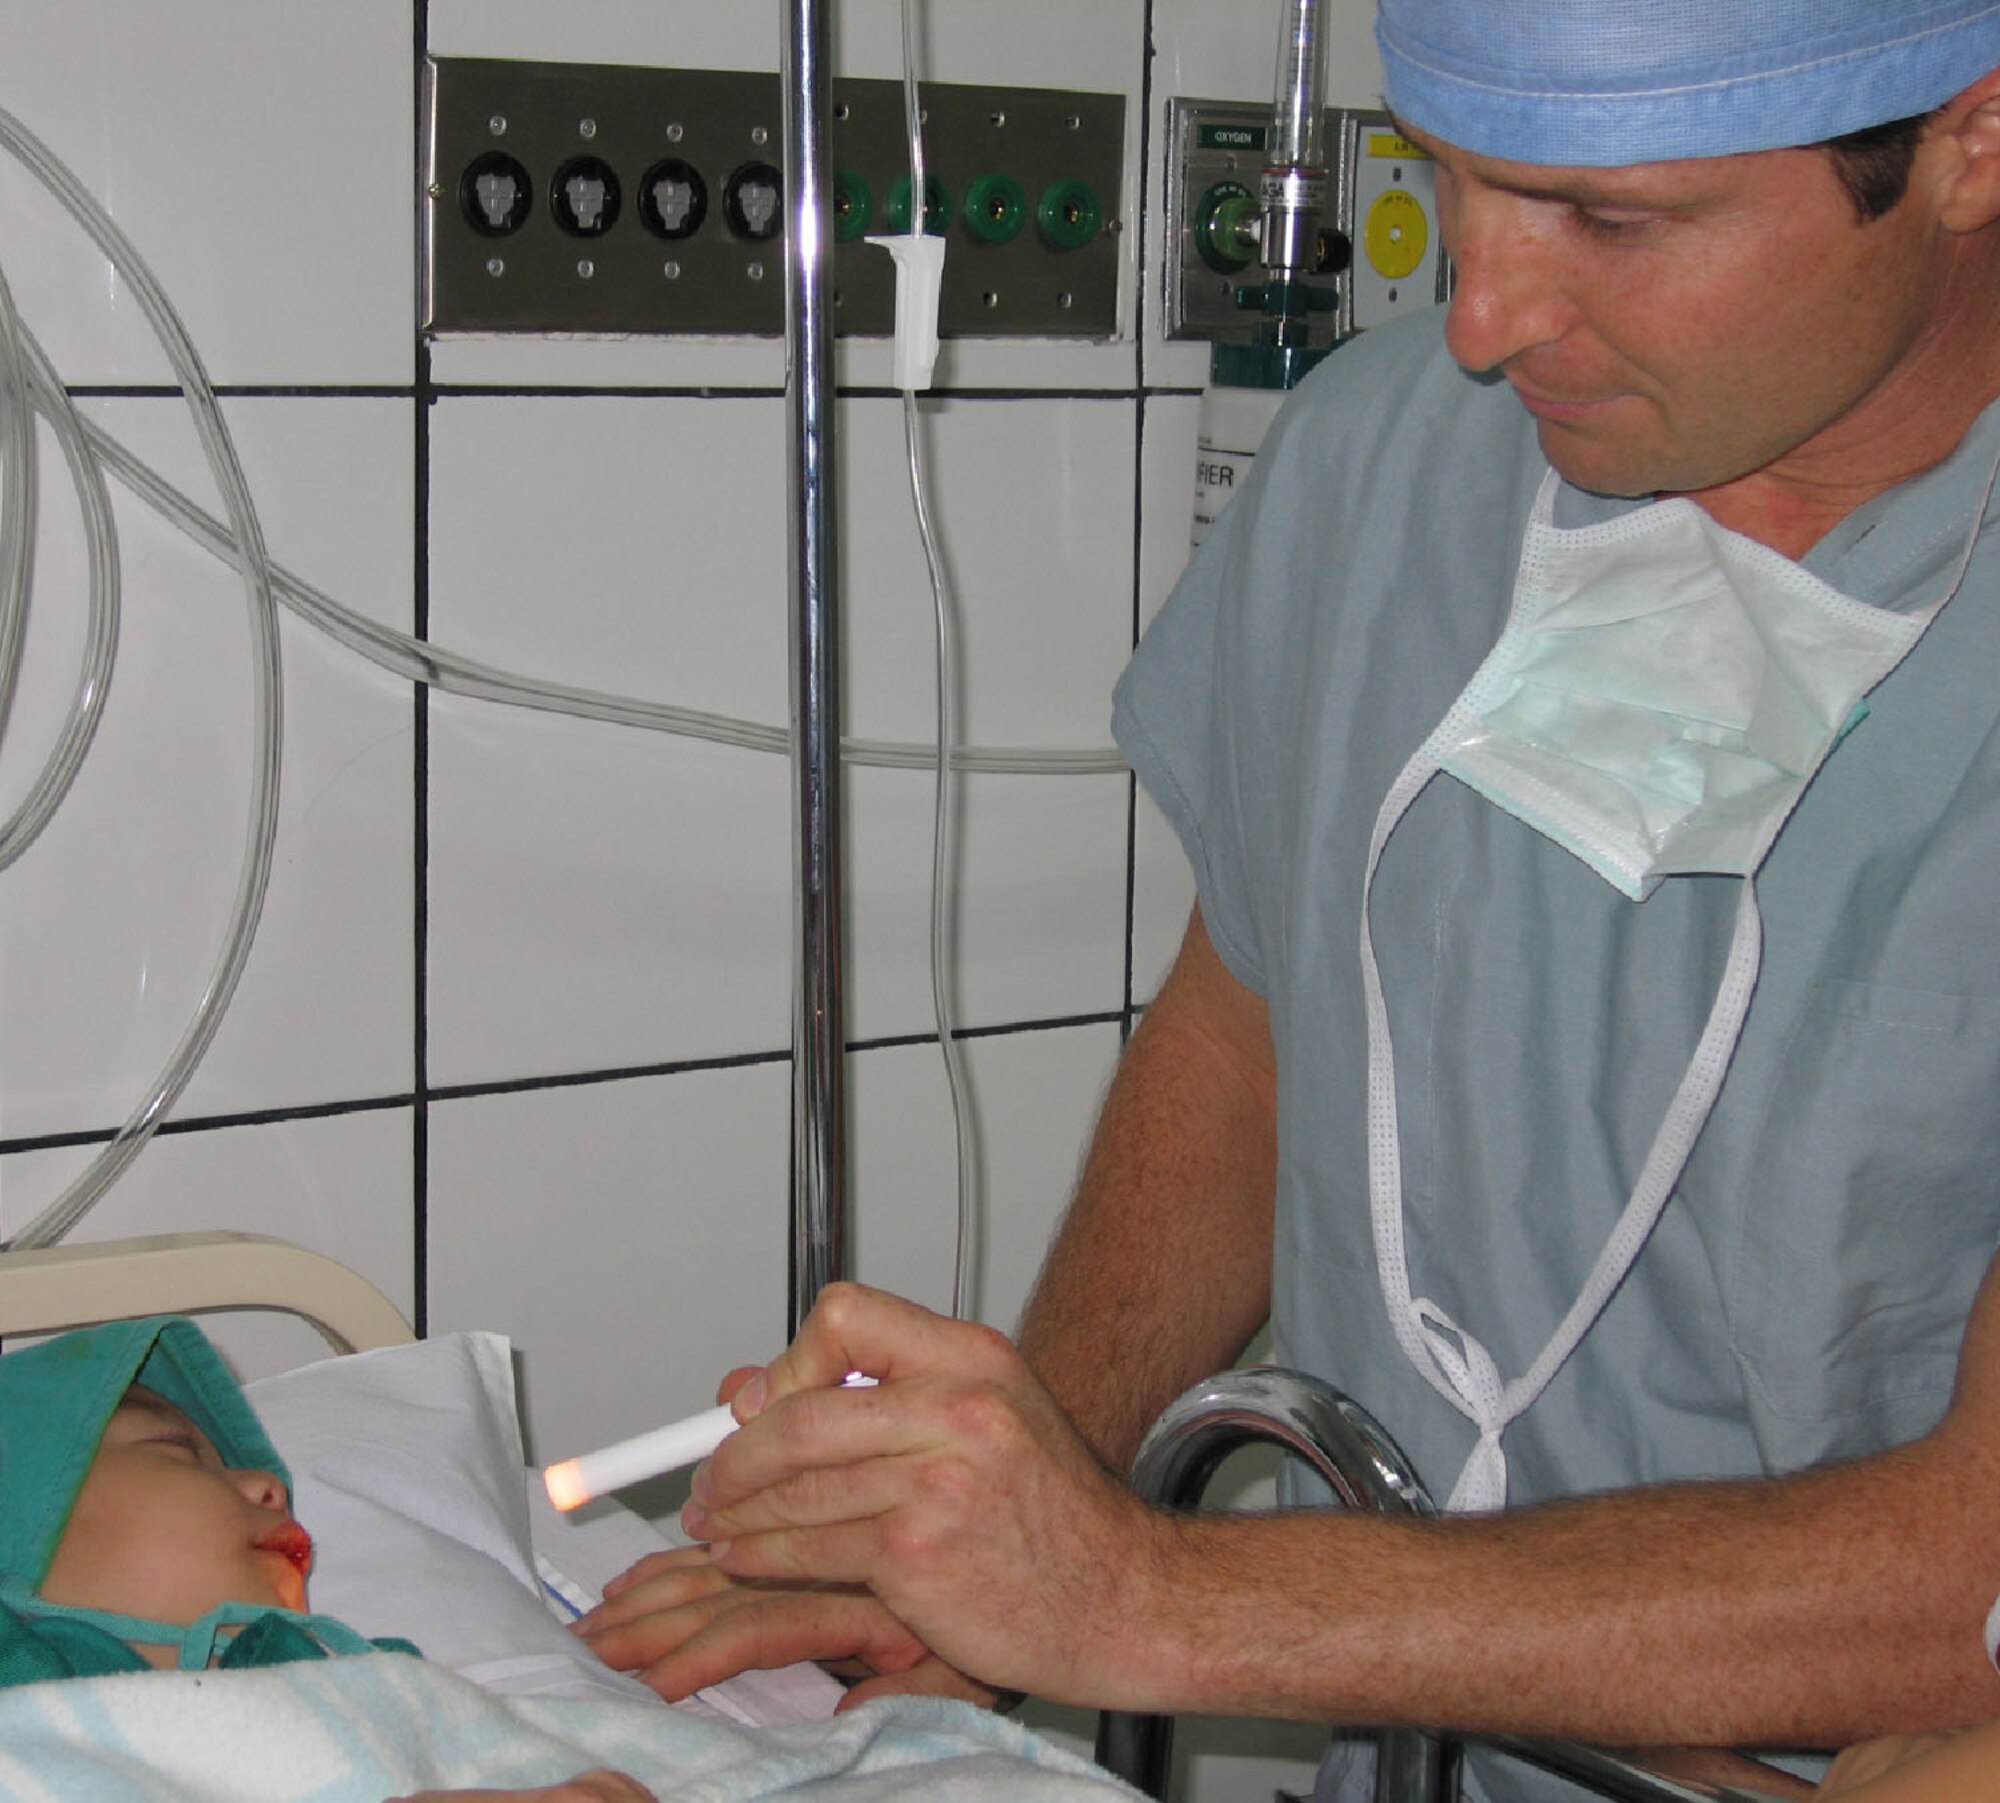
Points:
(1961, 156)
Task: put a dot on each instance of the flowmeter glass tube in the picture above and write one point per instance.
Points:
(1299, 104)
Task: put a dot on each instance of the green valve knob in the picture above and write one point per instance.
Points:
(937, 207)
(1068, 216)
(996, 208)
(853, 206)
(1226, 221)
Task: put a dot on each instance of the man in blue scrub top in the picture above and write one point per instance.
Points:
(1585, 730)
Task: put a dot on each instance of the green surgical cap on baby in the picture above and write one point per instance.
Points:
(57, 1398)
(1608, 82)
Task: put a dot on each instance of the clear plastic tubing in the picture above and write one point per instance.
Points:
(29, 385)
(421, 661)
(17, 501)
(267, 684)
(1299, 104)
(943, 817)
(101, 639)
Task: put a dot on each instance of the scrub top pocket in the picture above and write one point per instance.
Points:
(1870, 1209)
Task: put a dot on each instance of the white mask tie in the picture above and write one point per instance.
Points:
(1455, 1364)
(1580, 785)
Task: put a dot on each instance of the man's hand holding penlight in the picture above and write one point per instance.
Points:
(957, 1493)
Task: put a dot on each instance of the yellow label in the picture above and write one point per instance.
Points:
(1389, 144)
(1396, 234)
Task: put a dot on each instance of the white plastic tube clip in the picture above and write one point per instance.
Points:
(919, 276)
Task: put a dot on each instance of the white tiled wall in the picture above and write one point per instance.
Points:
(512, 1039)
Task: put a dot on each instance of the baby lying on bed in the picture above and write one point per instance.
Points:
(145, 1522)
(146, 1544)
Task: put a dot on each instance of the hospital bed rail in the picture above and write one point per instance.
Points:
(47, 1289)
(1347, 1447)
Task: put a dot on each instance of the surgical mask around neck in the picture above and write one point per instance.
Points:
(1663, 691)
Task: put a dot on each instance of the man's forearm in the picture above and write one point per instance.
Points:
(1814, 1609)
(1808, 1611)
(1161, 1272)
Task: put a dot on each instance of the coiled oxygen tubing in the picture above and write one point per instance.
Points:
(252, 562)
(29, 386)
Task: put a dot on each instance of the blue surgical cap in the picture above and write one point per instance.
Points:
(1606, 82)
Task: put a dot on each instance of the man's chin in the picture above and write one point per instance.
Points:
(1598, 468)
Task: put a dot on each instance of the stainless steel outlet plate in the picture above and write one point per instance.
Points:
(601, 199)
(1216, 146)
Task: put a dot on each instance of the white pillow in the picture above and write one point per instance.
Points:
(407, 1471)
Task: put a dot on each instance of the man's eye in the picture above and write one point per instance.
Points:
(1612, 222)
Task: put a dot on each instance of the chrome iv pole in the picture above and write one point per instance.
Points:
(819, 1110)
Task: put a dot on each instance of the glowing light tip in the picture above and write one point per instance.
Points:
(565, 1485)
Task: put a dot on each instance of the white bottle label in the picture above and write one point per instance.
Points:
(1231, 427)
(1218, 474)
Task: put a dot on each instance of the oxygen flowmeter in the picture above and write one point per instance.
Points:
(1369, 251)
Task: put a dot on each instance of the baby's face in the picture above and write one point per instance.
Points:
(162, 1529)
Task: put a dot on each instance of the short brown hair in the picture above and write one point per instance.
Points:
(1873, 164)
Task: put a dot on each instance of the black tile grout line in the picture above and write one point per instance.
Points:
(629, 1073)
(599, 391)
(146, 391)
(861, 391)
(857, 391)
(1125, 1015)
(255, 1117)
(684, 1067)
(1002, 1030)
(463, 1092)
(422, 396)
(638, 391)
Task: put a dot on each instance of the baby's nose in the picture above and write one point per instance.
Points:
(264, 1488)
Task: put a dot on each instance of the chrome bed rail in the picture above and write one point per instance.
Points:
(1341, 1441)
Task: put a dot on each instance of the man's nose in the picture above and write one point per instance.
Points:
(1508, 293)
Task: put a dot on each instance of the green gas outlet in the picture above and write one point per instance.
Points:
(937, 207)
(1226, 227)
(1068, 215)
(996, 208)
(853, 207)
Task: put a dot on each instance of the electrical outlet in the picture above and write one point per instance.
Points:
(585, 198)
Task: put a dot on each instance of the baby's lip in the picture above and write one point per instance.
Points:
(291, 1541)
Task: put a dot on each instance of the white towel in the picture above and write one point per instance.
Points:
(358, 1730)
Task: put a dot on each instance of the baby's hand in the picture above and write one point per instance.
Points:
(1871, 1758)
(586, 1787)
(678, 1624)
